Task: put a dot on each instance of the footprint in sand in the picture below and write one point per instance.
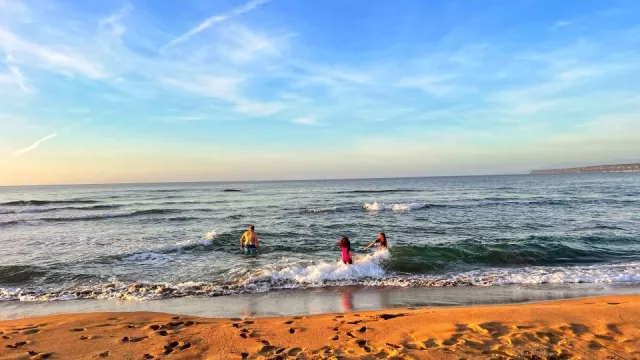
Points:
(31, 331)
(104, 354)
(78, 329)
(168, 349)
(294, 351)
(17, 345)
(42, 356)
(614, 328)
(389, 316)
(289, 322)
(267, 349)
(594, 345)
(148, 356)
(162, 333)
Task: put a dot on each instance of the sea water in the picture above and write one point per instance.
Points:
(161, 241)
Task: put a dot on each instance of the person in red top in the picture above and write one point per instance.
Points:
(345, 247)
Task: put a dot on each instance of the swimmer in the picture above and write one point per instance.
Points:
(381, 241)
(345, 247)
(249, 242)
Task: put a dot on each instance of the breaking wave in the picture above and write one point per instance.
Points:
(379, 206)
(367, 270)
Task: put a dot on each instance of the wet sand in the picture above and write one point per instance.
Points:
(588, 328)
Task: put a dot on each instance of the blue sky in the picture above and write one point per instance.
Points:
(120, 91)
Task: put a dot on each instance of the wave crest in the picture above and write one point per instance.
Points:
(380, 206)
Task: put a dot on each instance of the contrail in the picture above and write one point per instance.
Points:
(51, 136)
(216, 19)
(35, 144)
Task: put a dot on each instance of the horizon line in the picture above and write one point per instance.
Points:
(264, 181)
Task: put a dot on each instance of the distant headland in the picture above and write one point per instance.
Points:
(592, 169)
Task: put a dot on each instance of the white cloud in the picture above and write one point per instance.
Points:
(61, 60)
(439, 86)
(306, 121)
(19, 78)
(560, 24)
(216, 19)
(256, 108)
(219, 87)
(225, 89)
(247, 45)
(34, 145)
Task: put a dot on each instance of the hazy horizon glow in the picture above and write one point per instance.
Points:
(139, 91)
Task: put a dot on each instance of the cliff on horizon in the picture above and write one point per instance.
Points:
(591, 169)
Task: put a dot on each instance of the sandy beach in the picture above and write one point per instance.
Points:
(588, 328)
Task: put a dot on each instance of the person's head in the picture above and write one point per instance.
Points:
(344, 242)
(383, 239)
(252, 228)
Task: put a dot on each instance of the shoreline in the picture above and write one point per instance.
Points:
(303, 302)
(605, 327)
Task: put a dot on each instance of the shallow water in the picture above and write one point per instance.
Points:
(152, 241)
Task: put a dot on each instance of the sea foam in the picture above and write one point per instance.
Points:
(379, 206)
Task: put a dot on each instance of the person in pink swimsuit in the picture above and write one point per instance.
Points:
(345, 247)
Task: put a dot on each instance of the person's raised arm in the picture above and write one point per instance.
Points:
(258, 244)
(370, 244)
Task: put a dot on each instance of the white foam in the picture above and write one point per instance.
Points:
(366, 271)
(379, 206)
(148, 258)
(366, 266)
(206, 240)
(322, 210)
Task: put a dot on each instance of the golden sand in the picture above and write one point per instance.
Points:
(591, 328)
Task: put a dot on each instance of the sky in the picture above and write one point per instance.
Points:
(198, 90)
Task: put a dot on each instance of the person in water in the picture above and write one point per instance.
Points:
(381, 241)
(249, 242)
(345, 247)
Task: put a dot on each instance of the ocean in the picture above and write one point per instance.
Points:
(174, 240)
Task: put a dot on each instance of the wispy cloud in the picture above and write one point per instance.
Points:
(19, 78)
(226, 89)
(560, 24)
(246, 45)
(439, 86)
(306, 121)
(61, 60)
(216, 19)
(34, 145)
